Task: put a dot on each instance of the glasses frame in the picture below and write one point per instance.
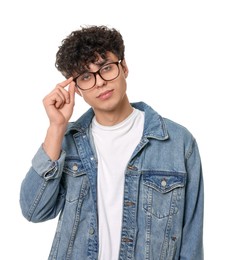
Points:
(98, 72)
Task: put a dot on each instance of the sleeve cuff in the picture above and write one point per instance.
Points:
(47, 168)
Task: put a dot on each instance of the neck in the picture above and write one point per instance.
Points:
(115, 116)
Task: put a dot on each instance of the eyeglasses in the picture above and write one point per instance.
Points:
(107, 72)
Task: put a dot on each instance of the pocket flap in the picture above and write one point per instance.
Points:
(164, 181)
(73, 168)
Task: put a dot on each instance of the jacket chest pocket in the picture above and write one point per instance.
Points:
(75, 180)
(162, 192)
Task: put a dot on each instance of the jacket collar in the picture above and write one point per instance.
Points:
(154, 126)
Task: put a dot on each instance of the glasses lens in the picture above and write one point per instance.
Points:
(86, 80)
(107, 72)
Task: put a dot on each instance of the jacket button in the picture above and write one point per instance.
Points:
(163, 183)
(75, 167)
(127, 240)
(91, 231)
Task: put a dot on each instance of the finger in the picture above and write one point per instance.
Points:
(57, 101)
(65, 83)
(71, 91)
(63, 93)
(54, 99)
(60, 92)
(61, 87)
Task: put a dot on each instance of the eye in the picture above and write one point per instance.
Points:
(106, 68)
(85, 77)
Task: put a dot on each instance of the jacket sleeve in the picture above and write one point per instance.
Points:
(192, 238)
(42, 195)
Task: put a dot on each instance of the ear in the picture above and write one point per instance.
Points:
(125, 68)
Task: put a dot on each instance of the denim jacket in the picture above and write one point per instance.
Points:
(163, 194)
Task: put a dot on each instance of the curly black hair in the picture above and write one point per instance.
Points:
(83, 46)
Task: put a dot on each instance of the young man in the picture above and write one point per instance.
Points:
(126, 182)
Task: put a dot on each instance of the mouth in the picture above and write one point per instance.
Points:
(105, 95)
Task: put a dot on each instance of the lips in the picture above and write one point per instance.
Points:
(105, 95)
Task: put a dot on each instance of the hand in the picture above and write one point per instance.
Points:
(60, 102)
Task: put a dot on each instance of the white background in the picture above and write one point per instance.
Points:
(178, 57)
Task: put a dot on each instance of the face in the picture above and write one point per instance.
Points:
(106, 96)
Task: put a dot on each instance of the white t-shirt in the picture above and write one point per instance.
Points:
(114, 146)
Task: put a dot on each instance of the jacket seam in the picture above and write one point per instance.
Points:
(36, 200)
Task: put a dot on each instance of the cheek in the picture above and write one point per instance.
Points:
(123, 84)
(87, 98)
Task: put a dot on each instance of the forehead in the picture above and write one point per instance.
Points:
(110, 57)
(94, 66)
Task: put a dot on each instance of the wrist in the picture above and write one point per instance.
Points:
(53, 140)
(57, 129)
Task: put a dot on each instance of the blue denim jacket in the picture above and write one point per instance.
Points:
(163, 194)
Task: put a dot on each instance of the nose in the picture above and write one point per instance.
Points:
(99, 81)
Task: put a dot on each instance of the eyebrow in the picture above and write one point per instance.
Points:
(98, 63)
(102, 62)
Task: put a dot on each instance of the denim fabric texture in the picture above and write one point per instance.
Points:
(163, 194)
